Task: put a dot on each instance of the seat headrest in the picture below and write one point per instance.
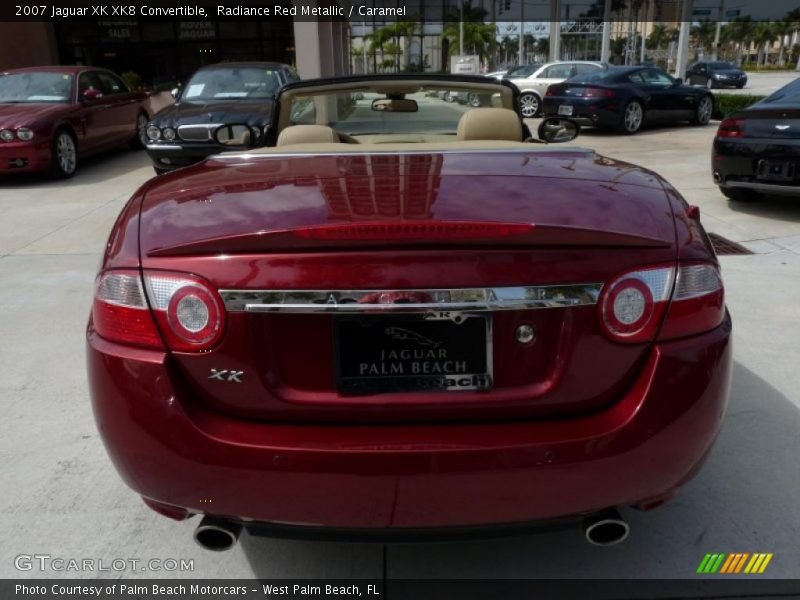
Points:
(306, 134)
(490, 124)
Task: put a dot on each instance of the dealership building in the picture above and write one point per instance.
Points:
(167, 51)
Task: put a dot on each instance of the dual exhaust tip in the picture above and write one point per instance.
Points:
(217, 534)
(606, 528)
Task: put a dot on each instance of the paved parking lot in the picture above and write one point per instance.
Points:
(763, 83)
(63, 498)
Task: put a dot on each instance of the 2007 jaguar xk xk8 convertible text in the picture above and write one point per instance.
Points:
(407, 316)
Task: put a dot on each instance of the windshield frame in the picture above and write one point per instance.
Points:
(384, 85)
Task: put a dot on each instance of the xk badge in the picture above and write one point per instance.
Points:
(226, 375)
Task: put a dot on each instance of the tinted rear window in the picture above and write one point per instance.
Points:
(597, 76)
(788, 94)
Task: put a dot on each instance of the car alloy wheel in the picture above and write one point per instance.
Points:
(66, 156)
(704, 110)
(474, 100)
(632, 118)
(529, 105)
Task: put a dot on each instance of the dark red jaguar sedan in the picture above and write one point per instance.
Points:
(51, 117)
(407, 316)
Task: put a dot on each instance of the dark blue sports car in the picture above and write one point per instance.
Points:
(626, 98)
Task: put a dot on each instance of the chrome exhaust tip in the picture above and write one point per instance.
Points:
(605, 528)
(217, 534)
(717, 177)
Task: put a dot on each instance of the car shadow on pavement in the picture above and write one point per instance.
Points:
(95, 169)
(272, 558)
(784, 208)
(645, 131)
(743, 500)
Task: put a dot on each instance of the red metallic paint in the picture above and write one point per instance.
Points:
(168, 447)
(626, 423)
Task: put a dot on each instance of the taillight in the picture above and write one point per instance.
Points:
(120, 312)
(688, 301)
(633, 304)
(731, 128)
(416, 230)
(698, 302)
(187, 309)
(597, 93)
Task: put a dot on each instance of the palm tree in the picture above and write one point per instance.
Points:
(657, 36)
(741, 31)
(703, 34)
(478, 36)
(783, 28)
(764, 37)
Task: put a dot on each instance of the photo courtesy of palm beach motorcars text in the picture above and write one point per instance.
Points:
(399, 299)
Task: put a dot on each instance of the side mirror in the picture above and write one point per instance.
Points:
(233, 135)
(91, 94)
(555, 130)
(677, 81)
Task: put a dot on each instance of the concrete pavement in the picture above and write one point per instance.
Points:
(63, 498)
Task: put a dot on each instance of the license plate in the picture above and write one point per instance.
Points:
(775, 170)
(412, 353)
(565, 110)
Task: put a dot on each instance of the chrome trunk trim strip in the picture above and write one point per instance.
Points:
(417, 300)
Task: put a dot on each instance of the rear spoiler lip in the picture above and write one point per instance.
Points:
(287, 240)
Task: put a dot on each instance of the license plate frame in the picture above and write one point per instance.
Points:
(435, 342)
(776, 170)
(565, 110)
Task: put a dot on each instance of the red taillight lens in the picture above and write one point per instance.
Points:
(120, 312)
(689, 301)
(187, 309)
(731, 128)
(633, 304)
(415, 230)
(698, 302)
(597, 93)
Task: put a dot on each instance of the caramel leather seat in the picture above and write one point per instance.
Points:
(489, 124)
(307, 134)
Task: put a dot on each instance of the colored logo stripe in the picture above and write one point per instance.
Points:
(734, 562)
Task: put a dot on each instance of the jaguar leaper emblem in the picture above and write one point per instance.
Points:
(400, 333)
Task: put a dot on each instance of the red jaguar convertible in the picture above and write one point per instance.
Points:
(50, 117)
(407, 316)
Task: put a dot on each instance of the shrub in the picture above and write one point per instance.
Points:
(725, 104)
(132, 80)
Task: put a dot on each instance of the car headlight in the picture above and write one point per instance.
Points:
(6, 135)
(153, 133)
(718, 75)
(168, 133)
(25, 134)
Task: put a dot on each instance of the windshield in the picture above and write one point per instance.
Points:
(233, 83)
(719, 66)
(35, 87)
(430, 111)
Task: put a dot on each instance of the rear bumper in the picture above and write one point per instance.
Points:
(734, 163)
(170, 449)
(24, 157)
(588, 113)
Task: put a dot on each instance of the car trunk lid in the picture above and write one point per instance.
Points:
(576, 220)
